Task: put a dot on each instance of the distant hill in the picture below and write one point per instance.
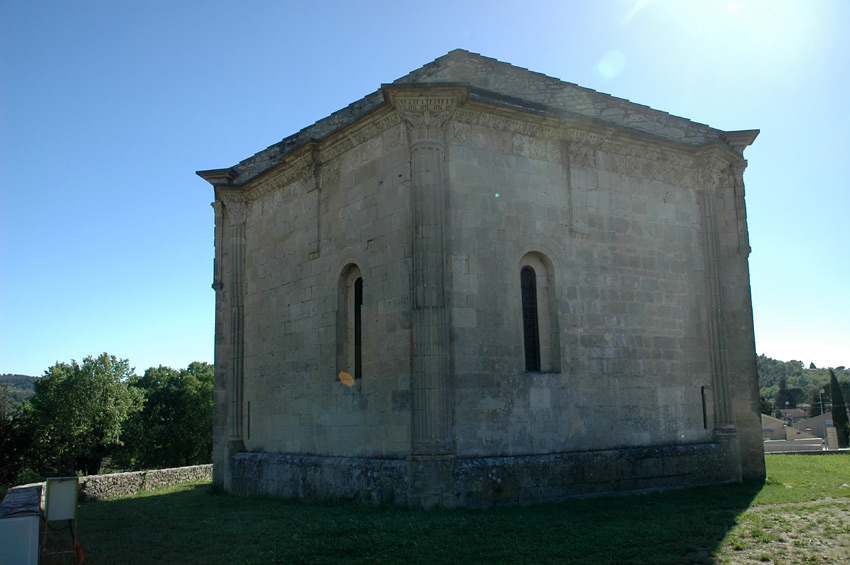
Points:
(802, 384)
(17, 388)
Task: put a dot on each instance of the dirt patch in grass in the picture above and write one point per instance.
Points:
(790, 533)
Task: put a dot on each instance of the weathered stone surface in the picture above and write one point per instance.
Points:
(370, 312)
(448, 481)
(99, 487)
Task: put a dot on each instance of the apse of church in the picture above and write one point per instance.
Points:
(482, 285)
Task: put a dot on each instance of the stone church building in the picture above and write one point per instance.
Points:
(482, 285)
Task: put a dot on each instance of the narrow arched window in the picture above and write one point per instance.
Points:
(358, 331)
(349, 326)
(530, 326)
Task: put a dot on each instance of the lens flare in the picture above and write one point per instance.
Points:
(612, 64)
(346, 379)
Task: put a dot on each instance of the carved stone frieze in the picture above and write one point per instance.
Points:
(659, 169)
(668, 165)
(421, 103)
(502, 123)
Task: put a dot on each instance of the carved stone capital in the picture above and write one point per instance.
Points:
(709, 170)
(581, 154)
(738, 168)
(427, 127)
(708, 179)
(235, 208)
(426, 111)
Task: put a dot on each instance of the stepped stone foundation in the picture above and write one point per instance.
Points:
(483, 481)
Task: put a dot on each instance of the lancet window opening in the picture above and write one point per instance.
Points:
(358, 328)
(349, 330)
(540, 326)
(530, 327)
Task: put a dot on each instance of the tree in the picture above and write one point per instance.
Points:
(817, 400)
(839, 411)
(78, 411)
(5, 402)
(765, 406)
(175, 427)
(14, 441)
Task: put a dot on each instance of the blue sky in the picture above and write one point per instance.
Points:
(108, 108)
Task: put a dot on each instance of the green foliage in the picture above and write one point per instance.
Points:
(839, 411)
(77, 412)
(816, 400)
(13, 446)
(175, 427)
(99, 416)
(790, 381)
(14, 390)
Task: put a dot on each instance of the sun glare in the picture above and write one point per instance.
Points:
(767, 36)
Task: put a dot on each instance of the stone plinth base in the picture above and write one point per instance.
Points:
(484, 481)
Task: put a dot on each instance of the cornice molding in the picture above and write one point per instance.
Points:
(351, 137)
(217, 177)
(622, 150)
(427, 110)
(284, 175)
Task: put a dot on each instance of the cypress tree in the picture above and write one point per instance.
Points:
(839, 411)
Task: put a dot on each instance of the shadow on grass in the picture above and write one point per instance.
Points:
(196, 525)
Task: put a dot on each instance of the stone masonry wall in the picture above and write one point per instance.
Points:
(431, 206)
(99, 487)
(294, 400)
(626, 299)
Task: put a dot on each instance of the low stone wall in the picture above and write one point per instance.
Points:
(99, 487)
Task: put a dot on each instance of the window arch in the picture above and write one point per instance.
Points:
(540, 328)
(349, 330)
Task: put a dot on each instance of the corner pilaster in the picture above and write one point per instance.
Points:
(426, 113)
(235, 214)
(737, 171)
(708, 179)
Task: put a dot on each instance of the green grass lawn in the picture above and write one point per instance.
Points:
(800, 515)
